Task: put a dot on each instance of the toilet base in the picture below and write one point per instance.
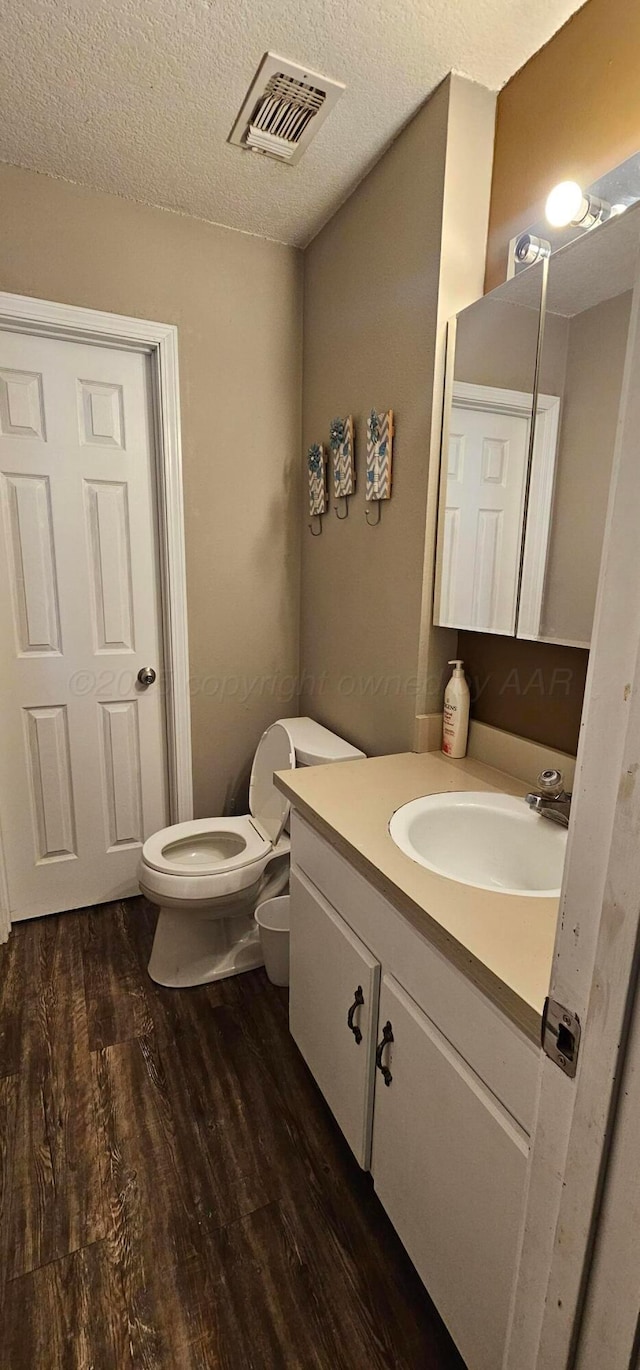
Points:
(195, 949)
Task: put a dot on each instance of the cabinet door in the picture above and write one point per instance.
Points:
(449, 1165)
(331, 969)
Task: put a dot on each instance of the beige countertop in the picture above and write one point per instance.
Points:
(502, 942)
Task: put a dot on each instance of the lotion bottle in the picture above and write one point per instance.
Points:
(455, 719)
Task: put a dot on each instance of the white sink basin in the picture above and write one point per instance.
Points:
(492, 841)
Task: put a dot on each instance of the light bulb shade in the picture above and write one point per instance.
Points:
(566, 204)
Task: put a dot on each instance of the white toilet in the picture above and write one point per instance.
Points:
(207, 876)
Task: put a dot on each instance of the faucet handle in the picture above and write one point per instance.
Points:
(550, 783)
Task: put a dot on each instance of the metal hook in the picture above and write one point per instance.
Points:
(366, 514)
(311, 530)
(345, 506)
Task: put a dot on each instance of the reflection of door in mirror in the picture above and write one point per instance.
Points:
(485, 457)
(486, 475)
(487, 464)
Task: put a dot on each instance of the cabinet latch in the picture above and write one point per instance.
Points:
(561, 1036)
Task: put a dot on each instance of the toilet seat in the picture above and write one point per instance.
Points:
(205, 846)
(223, 885)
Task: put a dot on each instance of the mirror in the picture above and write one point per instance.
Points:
(486, 439)
(589, 292)
(522, 507)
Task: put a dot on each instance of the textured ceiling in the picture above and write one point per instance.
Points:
(137, 97)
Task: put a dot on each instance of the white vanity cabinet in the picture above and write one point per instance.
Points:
(333, 1011)
(449, 1166)
(434, 1091)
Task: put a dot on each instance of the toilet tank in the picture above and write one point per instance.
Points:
(317, 746)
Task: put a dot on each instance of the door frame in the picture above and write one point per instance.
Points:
(72, 323)
(594, 974)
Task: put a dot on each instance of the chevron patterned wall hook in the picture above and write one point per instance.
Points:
(317, 473)
(379, 454)
(342, 450)
(317, 479)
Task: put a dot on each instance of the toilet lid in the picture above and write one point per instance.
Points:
(274, 752)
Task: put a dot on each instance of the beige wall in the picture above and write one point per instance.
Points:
(572, 111)
(529, 688)
(237, 303)
(371, 280)
(379, 281)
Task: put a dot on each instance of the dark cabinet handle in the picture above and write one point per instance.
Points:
(357, 1001)
(387, 1036)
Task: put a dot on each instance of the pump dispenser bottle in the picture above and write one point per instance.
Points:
(455, 719)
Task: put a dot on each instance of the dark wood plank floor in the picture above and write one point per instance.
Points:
(174, 1193)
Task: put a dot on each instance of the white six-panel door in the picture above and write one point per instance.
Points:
(83, 754)
(487, 463)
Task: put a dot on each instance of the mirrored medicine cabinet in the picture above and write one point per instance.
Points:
(523, 496)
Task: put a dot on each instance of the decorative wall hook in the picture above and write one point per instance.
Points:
(344, 474)
(379, 455)
(316, 468)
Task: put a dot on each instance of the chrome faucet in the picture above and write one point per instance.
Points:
(551, 799)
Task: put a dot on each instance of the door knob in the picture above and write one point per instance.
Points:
(146, 675)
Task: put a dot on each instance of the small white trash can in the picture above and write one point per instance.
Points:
(272, 918)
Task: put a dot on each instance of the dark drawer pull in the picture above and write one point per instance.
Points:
(358, 1000)
(387, 1036)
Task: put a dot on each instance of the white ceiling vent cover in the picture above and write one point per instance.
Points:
(284, 109)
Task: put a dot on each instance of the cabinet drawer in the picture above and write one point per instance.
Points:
(449, 1165)
(495, 1049)
(331, 970)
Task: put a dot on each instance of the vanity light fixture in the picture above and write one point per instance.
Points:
(572, 210)
(529, 249)
(567, 204)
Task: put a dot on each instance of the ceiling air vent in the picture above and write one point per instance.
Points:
(284, 109)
